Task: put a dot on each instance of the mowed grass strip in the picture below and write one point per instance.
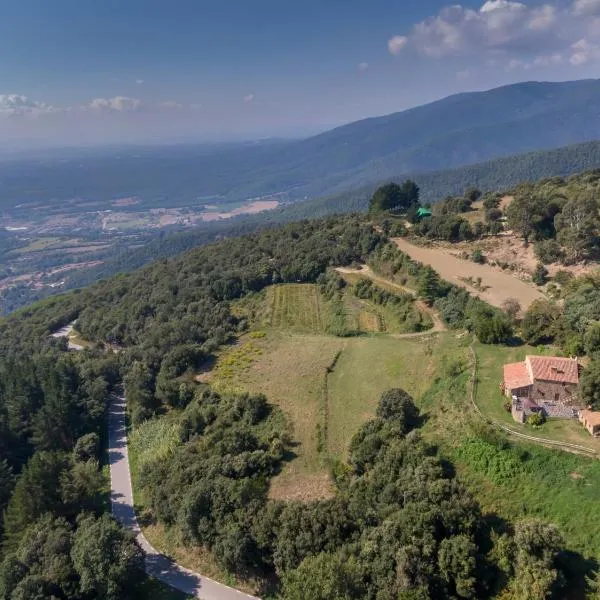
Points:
(297, 307)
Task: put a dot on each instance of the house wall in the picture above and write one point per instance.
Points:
(518, 415)
(523, 392)
(553, 392)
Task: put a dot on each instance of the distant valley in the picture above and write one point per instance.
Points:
(69, 217)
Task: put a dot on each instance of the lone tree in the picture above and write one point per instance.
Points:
(398, 405)
(429, 285)
(391, 196)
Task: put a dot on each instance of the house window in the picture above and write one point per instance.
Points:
(556, 397)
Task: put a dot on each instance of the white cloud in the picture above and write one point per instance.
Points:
(139, 81)
(584, 52)
(116, 104)
(521, 35)
(363, 66)
(12, 105)
(249, 98)
(586, 7)
(171, 105)
(542, 18)
(396, 44)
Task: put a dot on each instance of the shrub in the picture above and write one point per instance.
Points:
(478, 256)
(496, 227)
(492, 328)
(540, 275)
(539, 323)
(549, 251)
(591, 339)
(563, 277)
(536, 419)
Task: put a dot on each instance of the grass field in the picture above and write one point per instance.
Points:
(326, 409)
(490, 400)
(290, 370)
(367, 367)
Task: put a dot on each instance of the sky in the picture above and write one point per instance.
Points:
(96, 72)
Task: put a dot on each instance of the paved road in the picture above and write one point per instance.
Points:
(157, 564)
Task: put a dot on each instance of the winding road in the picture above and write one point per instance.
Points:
(158, 565)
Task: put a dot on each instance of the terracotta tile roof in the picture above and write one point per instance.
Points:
(591, 416)
(516, 375)
(553, 368)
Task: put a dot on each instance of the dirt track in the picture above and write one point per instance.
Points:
(500, 285)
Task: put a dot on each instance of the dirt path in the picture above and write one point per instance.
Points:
(366, 271)
(499, 285)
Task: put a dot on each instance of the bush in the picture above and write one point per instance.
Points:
(540, 322)
(563, 277)
(478, 256)
(591, 339)
(589, 389)
(540, 275)
(549, 251)
(536, 419)
(491, 328)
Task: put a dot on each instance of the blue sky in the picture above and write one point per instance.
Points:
(79, 71)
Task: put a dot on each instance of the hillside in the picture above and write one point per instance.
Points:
(452, 132)
(267, 441)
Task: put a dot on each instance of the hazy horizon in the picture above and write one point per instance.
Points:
(143, 72)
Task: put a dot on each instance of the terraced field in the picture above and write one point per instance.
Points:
(297, 307)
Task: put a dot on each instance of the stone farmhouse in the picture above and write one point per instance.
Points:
(543, 384)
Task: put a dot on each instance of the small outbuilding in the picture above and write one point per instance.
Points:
(591, 421)
(423, 212)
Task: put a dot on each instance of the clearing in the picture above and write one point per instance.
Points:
(327, 386)
(297, 307)
(499, 285)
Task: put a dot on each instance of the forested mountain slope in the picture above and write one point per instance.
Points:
(455, 131)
